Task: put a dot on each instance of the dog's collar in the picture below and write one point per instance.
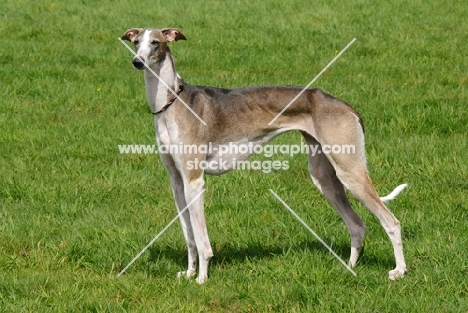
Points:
(172, 99)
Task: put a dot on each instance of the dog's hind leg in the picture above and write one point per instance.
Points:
(351, 170)
(324, 177)
(357, 180)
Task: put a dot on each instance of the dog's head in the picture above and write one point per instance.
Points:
(151, 43)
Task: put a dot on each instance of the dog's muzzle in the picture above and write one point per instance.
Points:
(138, 64)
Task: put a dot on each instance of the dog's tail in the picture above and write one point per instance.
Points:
(391, 196)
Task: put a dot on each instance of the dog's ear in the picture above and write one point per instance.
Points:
(130, 34)
(172, 34)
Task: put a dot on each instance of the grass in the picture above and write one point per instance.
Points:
(74, 211)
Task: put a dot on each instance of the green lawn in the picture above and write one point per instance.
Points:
(74, 211)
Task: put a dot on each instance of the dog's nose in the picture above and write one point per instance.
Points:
(137, 63)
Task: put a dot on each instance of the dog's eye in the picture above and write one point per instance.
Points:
(154, 42)
(136, 42)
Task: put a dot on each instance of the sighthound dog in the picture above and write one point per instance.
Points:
(242, 116)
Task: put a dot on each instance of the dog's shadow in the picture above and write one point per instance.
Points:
(229, 255)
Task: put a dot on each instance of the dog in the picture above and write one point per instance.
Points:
(209, 116)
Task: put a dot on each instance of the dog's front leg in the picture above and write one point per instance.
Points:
(179, 197)
(193, 187)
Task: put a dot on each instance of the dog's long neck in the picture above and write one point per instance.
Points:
(157, 93)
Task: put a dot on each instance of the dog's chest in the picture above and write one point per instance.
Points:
(162, 132)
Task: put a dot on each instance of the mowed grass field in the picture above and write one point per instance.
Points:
(74, 211)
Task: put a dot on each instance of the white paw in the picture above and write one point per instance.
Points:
(186, 274)
(201, 279)
(354, 256)
(396, 273)
(352, 261)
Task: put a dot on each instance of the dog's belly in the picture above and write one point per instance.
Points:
(217, 164)
(225, 157)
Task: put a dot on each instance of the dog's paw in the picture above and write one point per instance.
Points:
(186, 274)
(201, 280)
(354, 257)
(396, 273)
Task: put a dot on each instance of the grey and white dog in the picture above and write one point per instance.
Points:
(242, 116)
